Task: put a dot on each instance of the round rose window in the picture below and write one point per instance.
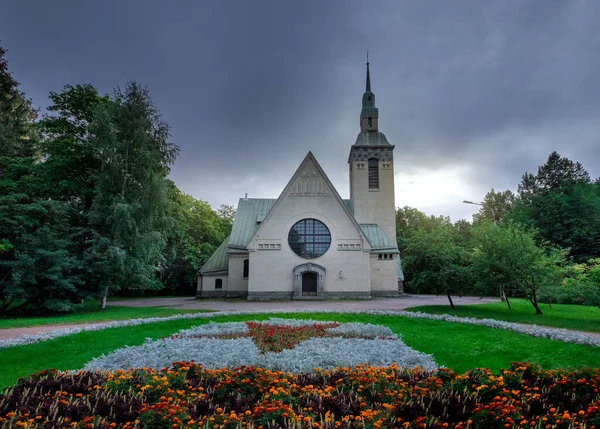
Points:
(309, 238)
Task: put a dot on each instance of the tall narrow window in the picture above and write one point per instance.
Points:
(246, 268)
(218, 284)
(373, 174)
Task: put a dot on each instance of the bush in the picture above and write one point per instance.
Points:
(581, 285)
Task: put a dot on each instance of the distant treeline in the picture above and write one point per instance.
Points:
(542, 243)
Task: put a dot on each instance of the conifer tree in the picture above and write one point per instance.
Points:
(16, 116)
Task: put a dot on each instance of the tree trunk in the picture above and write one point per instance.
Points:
(450, 299)
(507, 301)
(103, 299)
(534, 302)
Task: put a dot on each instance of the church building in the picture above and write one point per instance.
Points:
(310, 243)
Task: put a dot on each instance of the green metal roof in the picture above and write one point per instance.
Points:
(218, 261)
(250, 212)
(372, 139)
(377, 238)
(348, 204)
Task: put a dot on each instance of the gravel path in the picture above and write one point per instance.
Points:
(190, 303)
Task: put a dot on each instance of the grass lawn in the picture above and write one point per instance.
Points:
(457, 346)
(576, 317)
(91, 313)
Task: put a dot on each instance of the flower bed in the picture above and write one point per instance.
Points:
(278, 344)
(190, 396)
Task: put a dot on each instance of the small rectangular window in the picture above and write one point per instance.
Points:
(218, 284)
(246, 268)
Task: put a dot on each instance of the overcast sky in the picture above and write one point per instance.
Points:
(471, 93)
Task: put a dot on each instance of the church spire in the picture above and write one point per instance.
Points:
(368, 74)
(369, 114)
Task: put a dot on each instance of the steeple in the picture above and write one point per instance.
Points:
(371, 162)
(368, 75)
(369, 114)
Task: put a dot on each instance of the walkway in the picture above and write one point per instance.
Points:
(284, 306)
(187, 303)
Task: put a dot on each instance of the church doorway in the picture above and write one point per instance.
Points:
(309, 283)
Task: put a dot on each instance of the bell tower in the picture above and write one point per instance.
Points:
(371, 163)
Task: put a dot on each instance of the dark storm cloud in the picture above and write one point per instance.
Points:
(485, 88)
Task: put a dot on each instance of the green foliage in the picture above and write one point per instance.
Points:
(555, 174)
(71, 160)
(37, 267)
(17, 133)
(129, 212)
(581, 285)
(507, 257)
(87, 207)
(563, 205)
(196, 232)
(495, 206)
(38, 264)
(409, 220)
(435, 262)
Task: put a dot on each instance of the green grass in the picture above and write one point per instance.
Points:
(91, 313)
(457, 346)
(576, 317)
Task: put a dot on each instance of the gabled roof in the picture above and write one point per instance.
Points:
(346, 204)
(217, 263)
(379, 241)
(250, 213)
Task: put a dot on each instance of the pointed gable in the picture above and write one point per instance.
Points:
(310, 181)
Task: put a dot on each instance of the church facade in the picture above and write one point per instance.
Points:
(310, 243)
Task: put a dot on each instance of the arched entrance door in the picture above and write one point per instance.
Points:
(309, 283)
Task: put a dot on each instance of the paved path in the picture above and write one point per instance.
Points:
(244, 305)
(187, 303)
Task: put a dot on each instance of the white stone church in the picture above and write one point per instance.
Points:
(310, 243)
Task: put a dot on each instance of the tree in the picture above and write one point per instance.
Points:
(227, 215)
(226, 212)
(563, 205)
(435, 263)
(37, 266)
(495, 206)
(129, 212)
(71, 159)
(556, 173)
(409, 220)
(38, 269)
(197, 232)
(17, 116)
(463, 232)
(506, 257)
